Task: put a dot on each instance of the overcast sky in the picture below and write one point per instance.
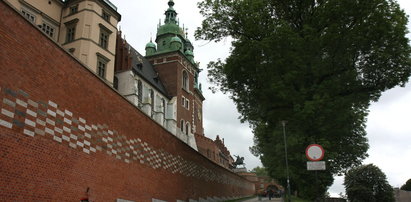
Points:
(388, 126)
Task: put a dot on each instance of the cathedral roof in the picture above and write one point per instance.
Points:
(142, 67)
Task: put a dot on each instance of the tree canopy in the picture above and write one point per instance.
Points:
(260, 171)
(316, 64)
(406, 186)
(367, 183)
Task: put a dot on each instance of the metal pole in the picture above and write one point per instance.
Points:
(286, 162)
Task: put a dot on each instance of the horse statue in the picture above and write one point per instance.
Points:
(239, 161)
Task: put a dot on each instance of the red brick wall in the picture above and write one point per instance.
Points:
(63, 131)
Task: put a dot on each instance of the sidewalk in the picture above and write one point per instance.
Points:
(264, 199)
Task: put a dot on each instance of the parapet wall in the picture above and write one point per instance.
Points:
(66, 135)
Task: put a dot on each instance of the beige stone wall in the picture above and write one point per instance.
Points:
(43, 11)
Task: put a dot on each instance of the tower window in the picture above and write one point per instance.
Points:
(187, 128)
(140, 91)
(104, 39)
(182, 125)
(104, 36)
(71, 33)
(152, 99)
(106, 16)
(47, 29)
(101, 66)
(185, 80)
(73, 9)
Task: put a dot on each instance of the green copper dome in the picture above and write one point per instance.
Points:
(189, 53)
(175, 39)
(151, 45)
(170, 29)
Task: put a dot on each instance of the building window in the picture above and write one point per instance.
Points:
(104, 39)
(187, 104)
(47, 29)
(187, 128)
(106, 16)
(182, 125)
(29, 16)
(101, 65)
(185, 80)
(71, 33)
(152, 99)
(163, 101)
(73, 9)
(140, 91)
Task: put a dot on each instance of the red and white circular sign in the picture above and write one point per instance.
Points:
(314, 152)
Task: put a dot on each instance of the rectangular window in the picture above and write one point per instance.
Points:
(106, 16)
(29, 16)
(102, 66)
(104, 38)
(48, 29)
(73, 9)
(71, 33)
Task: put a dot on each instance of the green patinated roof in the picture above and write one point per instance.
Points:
(151, 45)
(189, 53)
(170, 29)
(176, 38)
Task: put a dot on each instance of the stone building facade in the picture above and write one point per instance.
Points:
(86, 28)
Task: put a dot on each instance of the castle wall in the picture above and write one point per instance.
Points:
(65, 134)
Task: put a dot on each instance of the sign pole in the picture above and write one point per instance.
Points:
(286, 162)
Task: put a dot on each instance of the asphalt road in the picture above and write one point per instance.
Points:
(264, 199)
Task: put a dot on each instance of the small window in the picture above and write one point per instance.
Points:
(104, 36)
(185, 80)
(29, 16)
(182, 101)
(73, 9)
(48, 29)
(187, 128)
(187, 104)
(182, 125)
(101, 66)
(152, 99)
(140, 91)
(71, 33)
(106, 16)
(163, 101)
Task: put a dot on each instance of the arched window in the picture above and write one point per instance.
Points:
(185, 80)
(152, 99)
(182, 125)
(140, 91)
(163, 101)
(187, 128)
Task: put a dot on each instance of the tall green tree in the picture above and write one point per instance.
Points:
(316, 64)
(260, 171)
(406, 186)
(367, 183)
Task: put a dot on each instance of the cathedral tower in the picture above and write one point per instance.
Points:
(173, 58)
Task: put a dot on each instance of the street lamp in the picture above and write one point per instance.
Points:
(286, 162)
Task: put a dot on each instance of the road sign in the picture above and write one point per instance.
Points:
(314, 152)
(315, 165)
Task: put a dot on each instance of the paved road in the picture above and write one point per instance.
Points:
(264, 199)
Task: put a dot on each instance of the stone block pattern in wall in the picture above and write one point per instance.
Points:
(65, 134)
(64, 127)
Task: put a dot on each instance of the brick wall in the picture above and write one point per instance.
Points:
(64, 134)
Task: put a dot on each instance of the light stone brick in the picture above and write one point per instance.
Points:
(7, 113)
(28, 132)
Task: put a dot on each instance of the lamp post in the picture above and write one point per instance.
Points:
(286, 162)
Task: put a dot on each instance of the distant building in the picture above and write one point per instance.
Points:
(86, 28)
(215, 150)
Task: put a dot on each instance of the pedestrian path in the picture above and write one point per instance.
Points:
(264, 199)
